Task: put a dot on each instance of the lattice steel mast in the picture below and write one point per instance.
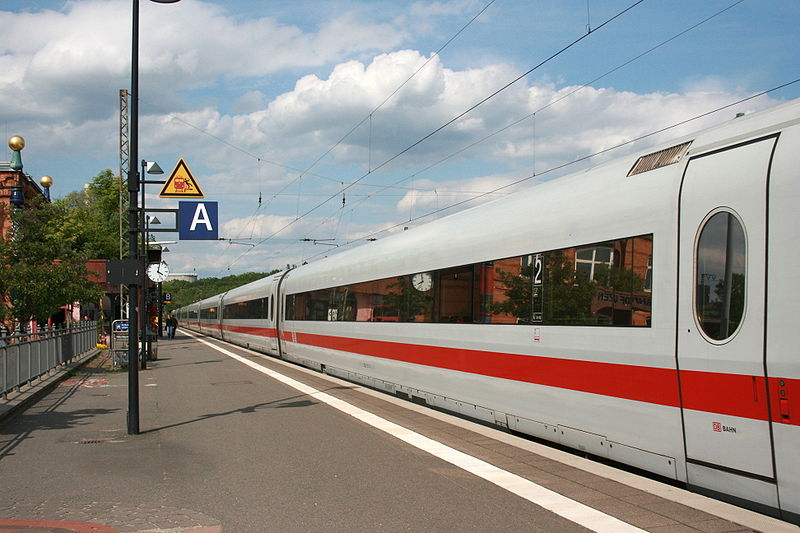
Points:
(124, 164)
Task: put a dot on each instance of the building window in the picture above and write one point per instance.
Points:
(590, 261)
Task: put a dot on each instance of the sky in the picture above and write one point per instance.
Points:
(320, 124)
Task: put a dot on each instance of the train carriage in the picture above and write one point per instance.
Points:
(249, 315)
(638, 311)
(210, 316)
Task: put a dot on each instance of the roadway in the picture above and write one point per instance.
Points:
(235, 441)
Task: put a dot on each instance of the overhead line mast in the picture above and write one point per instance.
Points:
(124, 162)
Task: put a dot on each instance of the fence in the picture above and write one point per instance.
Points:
(26, 356)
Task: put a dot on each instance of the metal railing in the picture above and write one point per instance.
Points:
(26, 356)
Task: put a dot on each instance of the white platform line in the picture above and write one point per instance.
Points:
(552, 501)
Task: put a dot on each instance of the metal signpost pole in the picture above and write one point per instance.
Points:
(145, 259)
(133, 215)
(133, 233)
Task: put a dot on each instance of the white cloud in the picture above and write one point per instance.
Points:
(249, 102)
(235, 92)
(66, 67)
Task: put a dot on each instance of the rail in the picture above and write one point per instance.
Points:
(27, 356)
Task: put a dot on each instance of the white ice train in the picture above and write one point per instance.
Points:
(643, 311)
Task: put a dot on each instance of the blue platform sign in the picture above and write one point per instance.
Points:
(197, 221)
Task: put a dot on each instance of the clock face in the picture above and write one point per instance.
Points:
(423, 281)
(158, 272)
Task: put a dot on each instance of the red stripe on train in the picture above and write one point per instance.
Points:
(726, 394)
(251, 330)
(646, 384)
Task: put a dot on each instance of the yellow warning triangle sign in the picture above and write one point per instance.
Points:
(181, 183)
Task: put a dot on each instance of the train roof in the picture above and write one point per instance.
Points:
(245, 292)
(593, 205)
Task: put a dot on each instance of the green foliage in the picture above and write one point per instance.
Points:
(88, 220)
(41, 271)
(518, 291)
(619, 279)
(409, 302)
(568, 294)
(187, 292)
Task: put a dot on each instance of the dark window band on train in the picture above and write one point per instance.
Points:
(251, 309)
(209, 313)
(602, 284)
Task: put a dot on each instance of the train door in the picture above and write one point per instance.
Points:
(272, 338)
(721, 322)
(280, 313)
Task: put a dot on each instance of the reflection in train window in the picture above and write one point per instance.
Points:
(605, 283)
(720, 276)
(454, 295)
(590, 261)
(251, 309)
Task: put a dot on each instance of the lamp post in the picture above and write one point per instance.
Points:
(133, 212)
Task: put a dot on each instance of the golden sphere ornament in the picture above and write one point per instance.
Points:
(16, 143)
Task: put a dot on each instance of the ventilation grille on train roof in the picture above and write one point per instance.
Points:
(659, 159)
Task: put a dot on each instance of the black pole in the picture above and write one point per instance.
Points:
(145, 314)
(160, 311)
(133, 232)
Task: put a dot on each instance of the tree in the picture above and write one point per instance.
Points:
(88, 220)
(518, 292)
(408, 303)
(185, 292)
(567, 294)
(40, 271)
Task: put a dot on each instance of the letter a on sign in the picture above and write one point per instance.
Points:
(181, 183)
(197, 220)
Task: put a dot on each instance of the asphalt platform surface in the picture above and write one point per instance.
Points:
(225, 447)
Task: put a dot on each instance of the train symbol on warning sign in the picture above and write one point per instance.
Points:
(183, 184)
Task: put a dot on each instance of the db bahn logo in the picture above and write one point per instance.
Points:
(720, 428)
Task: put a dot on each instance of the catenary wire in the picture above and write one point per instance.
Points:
(575, 161)
(446, 124)
(549, 104)
(369, 115)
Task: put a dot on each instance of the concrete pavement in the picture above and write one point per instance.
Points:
(225, 448)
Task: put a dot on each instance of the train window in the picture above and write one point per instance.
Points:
(208, 313)
(607, 283)
(506, 291)
(720, 276)
(599, 285)
(251, 309)
(342, 305)
(454, 295)
(313, 305)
